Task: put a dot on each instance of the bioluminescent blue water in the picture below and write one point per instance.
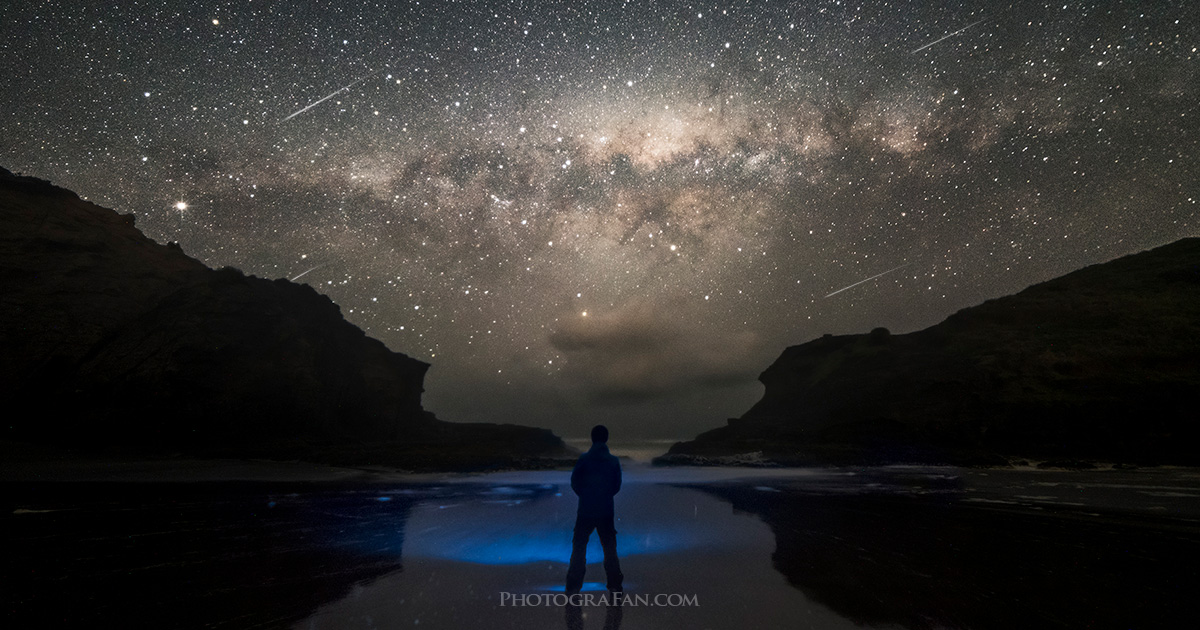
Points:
(468, 549)
(588, 587)
(536, 525)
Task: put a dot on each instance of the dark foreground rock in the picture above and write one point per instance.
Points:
(1102, 364)
(112, 342)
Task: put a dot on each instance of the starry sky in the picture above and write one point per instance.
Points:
(619, 212)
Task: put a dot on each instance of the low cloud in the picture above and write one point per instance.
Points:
(644, 350)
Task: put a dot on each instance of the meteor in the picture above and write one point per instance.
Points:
(947, 36)
(304, 273)
(326, 98)
(867, 280)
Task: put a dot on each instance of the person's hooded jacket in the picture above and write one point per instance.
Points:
(596, 479)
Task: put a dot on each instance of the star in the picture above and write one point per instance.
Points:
(412, 153)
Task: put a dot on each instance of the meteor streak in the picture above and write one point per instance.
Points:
(948, 36)
(867, 280)
(326, 98)
(303, 273)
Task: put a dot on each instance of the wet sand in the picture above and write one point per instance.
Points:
(714, 548)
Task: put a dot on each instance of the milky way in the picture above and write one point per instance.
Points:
(620, 212)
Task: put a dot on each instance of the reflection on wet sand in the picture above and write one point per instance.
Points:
(889, 547)
(935, 551)
(613, 614)
(901, 547)
(189, 555)
(464, 559)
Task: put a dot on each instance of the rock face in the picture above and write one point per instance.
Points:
(112, 340)
(1100, 364)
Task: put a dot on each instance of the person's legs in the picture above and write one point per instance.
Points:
(608, 542)
(579, 541)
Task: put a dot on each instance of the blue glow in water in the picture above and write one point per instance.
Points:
(588, 587)
(506, 525)
(538, 528)
(485, 540)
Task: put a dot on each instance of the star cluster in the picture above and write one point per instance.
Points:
(619, 211)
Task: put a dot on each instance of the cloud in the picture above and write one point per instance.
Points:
(644, 350)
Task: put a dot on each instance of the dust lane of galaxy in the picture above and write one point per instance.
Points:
(619, 211)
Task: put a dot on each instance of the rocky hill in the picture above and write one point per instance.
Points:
(110, 341)
(1102, 364)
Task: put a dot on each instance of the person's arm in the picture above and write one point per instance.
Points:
(575, 476)
(617, 475)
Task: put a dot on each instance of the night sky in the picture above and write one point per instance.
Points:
(621, 212)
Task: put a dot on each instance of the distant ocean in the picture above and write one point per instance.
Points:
(637, 450)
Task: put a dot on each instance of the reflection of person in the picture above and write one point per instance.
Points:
(596, 478)
(613, 613)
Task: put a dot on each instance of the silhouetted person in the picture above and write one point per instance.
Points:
(596, 478)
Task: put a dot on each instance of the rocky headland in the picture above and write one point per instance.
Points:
(1099, 365)
(112, 343)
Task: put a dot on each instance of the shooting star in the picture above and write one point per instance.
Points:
(304, 273)
(947, 36)
(326, 98)
(868, 279)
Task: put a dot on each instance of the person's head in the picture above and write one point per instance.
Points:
(599, 434)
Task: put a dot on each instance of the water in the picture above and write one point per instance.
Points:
(640, 451)
(461, 555)
(913, 547)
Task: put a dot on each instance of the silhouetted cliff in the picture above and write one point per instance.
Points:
(113, 341)
(1100, 364)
